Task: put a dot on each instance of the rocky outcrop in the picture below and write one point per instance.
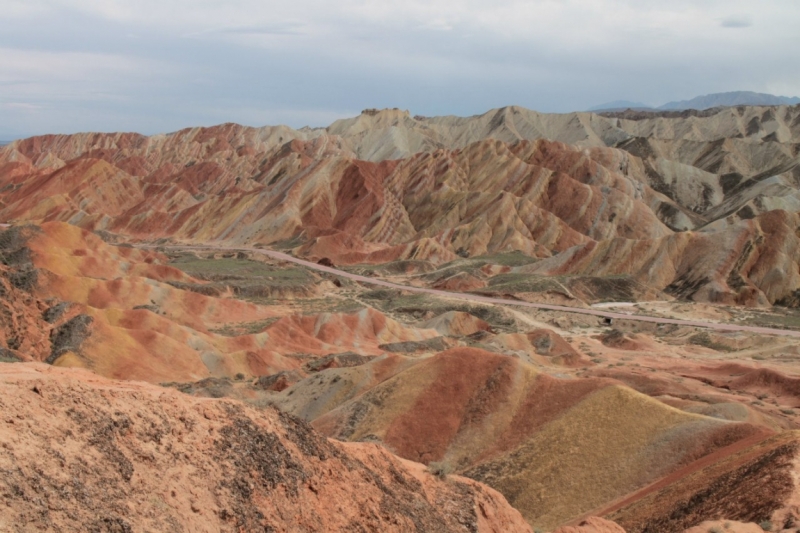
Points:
(85, 453)
(33, 327)
(752, 262)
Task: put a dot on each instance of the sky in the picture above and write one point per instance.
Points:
(156, 66)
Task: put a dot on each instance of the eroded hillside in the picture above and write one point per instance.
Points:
(148, 259)
(646, 198)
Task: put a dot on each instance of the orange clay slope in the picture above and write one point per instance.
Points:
(655, 211)
(138, 326)
(87, 453)
(496, 419)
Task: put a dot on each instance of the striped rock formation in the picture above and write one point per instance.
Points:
(649, 198)
(120, 312)
(556, 448)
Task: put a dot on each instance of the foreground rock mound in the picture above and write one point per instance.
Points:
(82, 453)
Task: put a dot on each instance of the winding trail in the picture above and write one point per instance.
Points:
(488, 299)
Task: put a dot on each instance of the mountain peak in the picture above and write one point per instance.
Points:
(707, 101)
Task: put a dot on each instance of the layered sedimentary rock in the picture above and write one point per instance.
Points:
(650, 198)
(72, 300)
(565, 424)
(746, 262)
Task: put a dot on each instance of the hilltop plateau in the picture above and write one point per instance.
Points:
(592, 315)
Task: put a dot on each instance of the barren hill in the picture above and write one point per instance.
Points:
(495, 419)
(123, 313)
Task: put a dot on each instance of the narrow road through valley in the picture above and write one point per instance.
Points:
(490, 300)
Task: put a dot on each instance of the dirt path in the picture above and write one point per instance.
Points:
(490, 300)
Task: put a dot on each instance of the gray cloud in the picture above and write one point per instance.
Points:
(160, 65)
(739, 21)
(288, 28)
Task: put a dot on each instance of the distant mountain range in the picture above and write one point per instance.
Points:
(705, 102)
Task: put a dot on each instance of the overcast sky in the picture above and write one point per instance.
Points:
(160, 65)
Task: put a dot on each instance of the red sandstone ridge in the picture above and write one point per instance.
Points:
(660, 427)
(82, 453)
(33, 327)
(24, 334)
